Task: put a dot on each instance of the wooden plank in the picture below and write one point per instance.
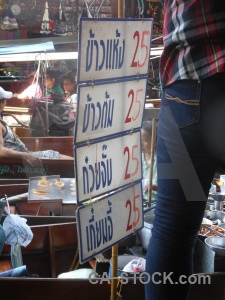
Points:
(13, 189)
(9, 181)
(57, 289)
(64, 145)
(82, 289)
(53, 208)
(46, 220)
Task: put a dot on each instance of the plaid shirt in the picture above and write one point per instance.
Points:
(194, 40)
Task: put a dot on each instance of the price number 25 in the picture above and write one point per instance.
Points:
(141, 46)
(132, 160)
(134, 213)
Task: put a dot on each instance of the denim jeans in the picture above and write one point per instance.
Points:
(190, 148)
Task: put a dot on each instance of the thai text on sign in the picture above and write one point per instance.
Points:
(102, 105)
(113, 48)
(109, 220)
(107, 165)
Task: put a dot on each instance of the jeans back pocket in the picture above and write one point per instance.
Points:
(181, 102)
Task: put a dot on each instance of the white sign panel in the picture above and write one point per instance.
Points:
(113, 48)
(106, 109)
(108, 221)
(107, 165)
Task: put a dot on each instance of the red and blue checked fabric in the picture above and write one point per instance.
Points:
(194, 40)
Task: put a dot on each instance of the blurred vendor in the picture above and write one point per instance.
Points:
(70, 88)
(33, 90)
(146, 141)
(12, 147)
(51, 83)
(4, 95)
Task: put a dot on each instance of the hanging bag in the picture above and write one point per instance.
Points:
(8, 20)
(60, 22)
(16, 229)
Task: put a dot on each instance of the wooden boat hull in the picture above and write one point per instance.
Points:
(11, 187)
(57, 289)
(64, 166)
(63, 144)
(52, 251)
(82, 289)
(52, 248)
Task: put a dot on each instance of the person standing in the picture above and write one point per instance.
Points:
(190, 139)
(4, 95)
(146, 142)
(12, 147)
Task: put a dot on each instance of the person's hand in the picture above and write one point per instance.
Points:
(155, 187)
(32, 160)
(145, 190)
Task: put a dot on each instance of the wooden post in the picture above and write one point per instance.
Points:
(120, 8)
(114, 272)
(115, 247)
(132, 8)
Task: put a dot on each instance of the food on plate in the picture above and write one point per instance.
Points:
(44, 182)
(59, 183)
(40, 192)
(206, 232)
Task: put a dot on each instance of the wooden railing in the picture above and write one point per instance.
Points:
(64, 145)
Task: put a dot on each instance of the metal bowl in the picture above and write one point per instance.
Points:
(214, 215)
(217, 244)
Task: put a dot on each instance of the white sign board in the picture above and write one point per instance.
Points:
(113, 48)
(108, 221)
(107, 165)
(106, 109)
